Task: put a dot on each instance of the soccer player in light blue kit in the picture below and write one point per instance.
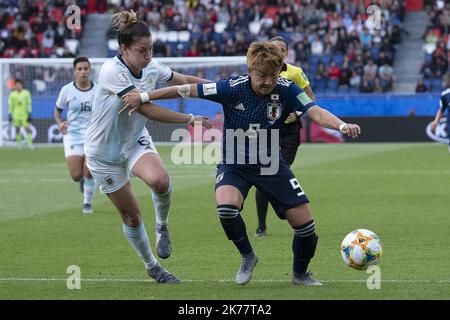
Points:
(76, 98)
(118, 146)
(258, 104)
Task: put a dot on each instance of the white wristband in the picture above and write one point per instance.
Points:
(342, 126)
(192, 119)
(144, 97)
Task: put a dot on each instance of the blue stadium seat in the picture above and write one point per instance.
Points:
(437, 84)
(338, 58)
(325, 59)
(332, 85)
(375, 52)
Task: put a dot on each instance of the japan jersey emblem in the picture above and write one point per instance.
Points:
(273, 111)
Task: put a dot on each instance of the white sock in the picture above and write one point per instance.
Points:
(89, 190)
(161, 202)
(138, 238)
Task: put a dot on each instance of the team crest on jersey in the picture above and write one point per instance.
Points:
(273, 111)
(109, 180)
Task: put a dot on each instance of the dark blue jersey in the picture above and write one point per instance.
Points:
(444, 102)
(245, 111)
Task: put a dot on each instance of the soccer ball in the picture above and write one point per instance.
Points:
(361, 248)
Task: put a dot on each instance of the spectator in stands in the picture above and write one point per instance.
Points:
(365, 37)
(377, 87)
(355, 80)
(321, 72)
(334, 72)
(386, 73)
(366, 84)
(370, 69)
(421, 86)
(344, 79)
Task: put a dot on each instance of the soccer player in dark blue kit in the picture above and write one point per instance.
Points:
(255, 106)
(444, 104)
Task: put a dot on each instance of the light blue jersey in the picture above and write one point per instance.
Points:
(78, 105)
(111, 136)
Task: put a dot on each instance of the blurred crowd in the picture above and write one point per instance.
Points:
(333, 40)
(436, 48)
(336, 42)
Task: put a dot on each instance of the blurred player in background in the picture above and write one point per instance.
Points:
(289, 131)
(77, 98)
(444, 104)
(20, 111)
(260, 100)
(118, 146)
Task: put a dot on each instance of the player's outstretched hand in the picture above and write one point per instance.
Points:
(203, 120)
(131, 101)
(433, 126)
(63, 127)
(352, 130)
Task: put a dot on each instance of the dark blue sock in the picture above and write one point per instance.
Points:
(234, 227)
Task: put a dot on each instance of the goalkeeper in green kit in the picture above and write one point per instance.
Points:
(20, 111)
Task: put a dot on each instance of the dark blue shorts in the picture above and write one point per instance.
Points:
(282, 189)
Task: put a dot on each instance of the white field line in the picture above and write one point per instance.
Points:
(217, 280)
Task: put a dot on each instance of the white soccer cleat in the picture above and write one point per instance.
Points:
(245, 271)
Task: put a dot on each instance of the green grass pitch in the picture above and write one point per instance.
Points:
(399, 191)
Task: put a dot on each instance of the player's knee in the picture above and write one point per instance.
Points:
(76, 176)
(230, 215)
(132, 220)
(159, 183)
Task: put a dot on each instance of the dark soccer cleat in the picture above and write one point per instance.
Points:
(87, 208)
(245, 272)
(305, 279)
(163, 245)
(161, 275)
(261, 232)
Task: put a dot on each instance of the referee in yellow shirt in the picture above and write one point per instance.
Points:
(289, 132)
(20, 111)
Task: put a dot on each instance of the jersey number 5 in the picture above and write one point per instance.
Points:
(295, 185)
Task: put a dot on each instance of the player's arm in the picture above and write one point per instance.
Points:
(304, 84)
(302, 103)
(310, 92)
(439, 115)
(62, 125)
(328, 120)
(133, 99)
(28, 106)
(10, 107)
(179, 78)
(155, 112)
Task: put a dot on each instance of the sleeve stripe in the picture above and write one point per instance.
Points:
(200, 90)
(123, 92)
(170, 78)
